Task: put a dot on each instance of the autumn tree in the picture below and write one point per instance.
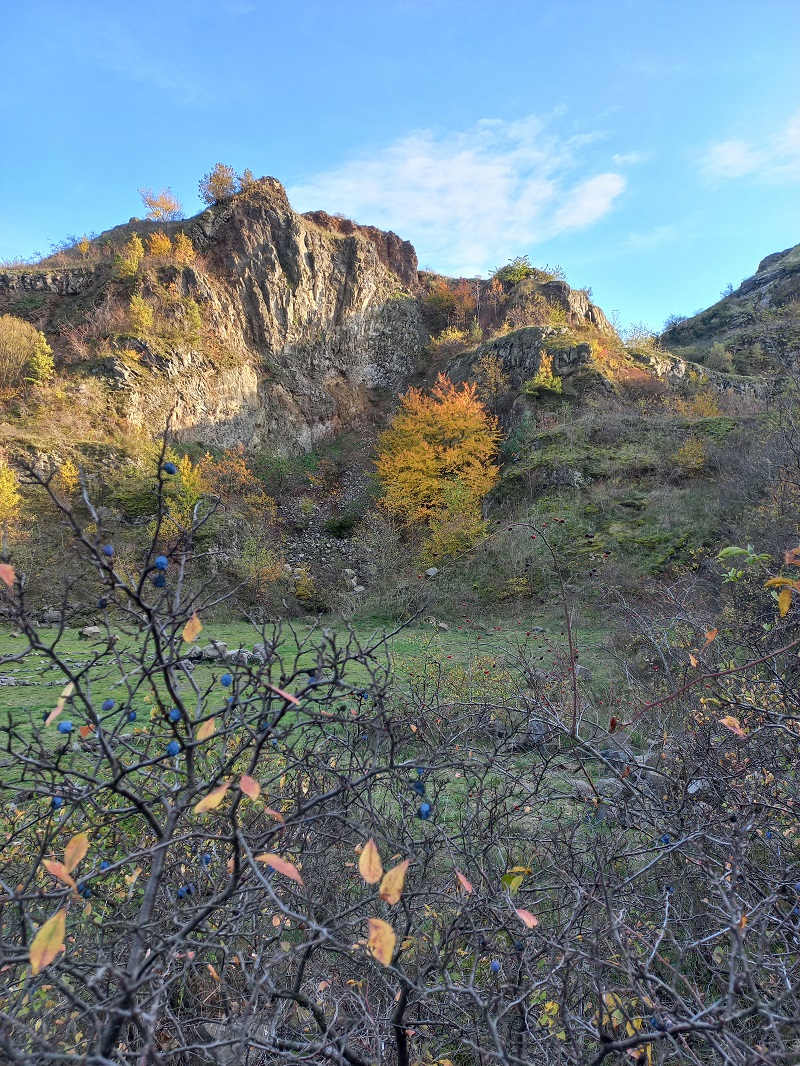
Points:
(159, 244)
(183, 249)
(162, 206)
(10, 502)
(25, 354)
(436, 463)
(130, 258)
(218, 184)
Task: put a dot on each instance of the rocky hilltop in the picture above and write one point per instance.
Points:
(758, 323)
(305, 321)
(279, 331)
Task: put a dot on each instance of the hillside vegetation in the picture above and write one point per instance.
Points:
(393, 668)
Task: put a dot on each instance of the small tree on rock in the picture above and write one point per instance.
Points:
(218, 184)
(25, 354)
(162, 206)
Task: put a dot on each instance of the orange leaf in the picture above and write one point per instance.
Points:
(742, 923)
(525, 916)
(733, 724)
(392, 884)
(207, 729)
(7, 574)
(780, 583)
(282, 866)
(75, 851)
(85, 730)
(692, 660)
(711, 635)
(66, 692)
(213, 972)
(273, 814)
(250, 787)
(381, 940)
(784, 602)
(284, 695)
(464, 882)
(192, 629)
(48, 942)
(213, 799)
(369, 863)
(413, 728)
(59, 870)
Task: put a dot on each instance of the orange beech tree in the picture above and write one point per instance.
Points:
(436, 463)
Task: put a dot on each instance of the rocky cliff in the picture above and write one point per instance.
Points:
(307, 321)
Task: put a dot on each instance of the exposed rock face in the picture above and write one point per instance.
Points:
(57, 282)
(521, 354)
(307, 321)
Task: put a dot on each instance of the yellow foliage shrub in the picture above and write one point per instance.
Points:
(690, 458)
(159, 244)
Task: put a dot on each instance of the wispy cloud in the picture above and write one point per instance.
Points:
(775, 159)
(469, 199)
(622, 159)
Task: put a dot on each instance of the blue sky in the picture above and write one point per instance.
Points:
(650, 148)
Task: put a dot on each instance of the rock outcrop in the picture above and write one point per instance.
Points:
(761, 311)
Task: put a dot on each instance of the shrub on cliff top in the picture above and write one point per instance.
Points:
(25, 355)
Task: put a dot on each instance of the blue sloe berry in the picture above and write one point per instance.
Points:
(131, 716)
(108, 705)
(162, 562)
(173, 747)
(169, 468)
(665, 839)
(108, 550)
(65, 727)
(424, 811)
(104, 865)
(419, 788)
(495, 964)
(226, 679)
(181, 893)
(160, 581)
(206, 860)
(102, 603)
(58, 801)
(174, 715)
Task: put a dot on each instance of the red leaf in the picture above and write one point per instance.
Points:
(284, 695)
(250, 787)
(529, 919)
(7, 574)
(282, 866)
(464, 882)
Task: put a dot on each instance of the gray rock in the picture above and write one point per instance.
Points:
(6, 680)
(90, 632)
(239, 656)
(216, 651)
(432, 571)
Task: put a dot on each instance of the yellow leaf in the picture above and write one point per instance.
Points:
(7, 574)
(779, 582)
(392, 884)
(66, 692)
(692, 660)
(733, 724)
(784, 602)
(250, 787)
(529, 919)
(742, 923)
(381, 940)
(282, 866)
(75, 851)
(464, 882)
(192, 629)
(207, 729)
(59, 870)
(213, 799)
(48, 942)
(369, 863)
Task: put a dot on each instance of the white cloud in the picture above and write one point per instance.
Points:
(776, 159)
(470, 199)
